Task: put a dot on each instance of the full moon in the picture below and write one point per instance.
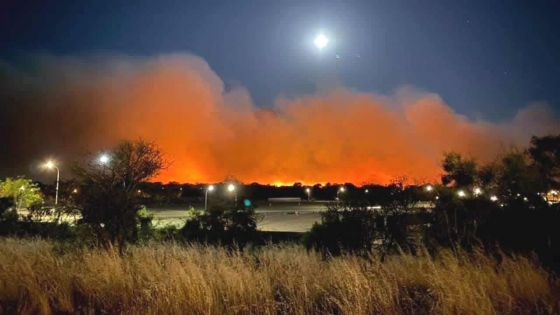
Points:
(321, 41)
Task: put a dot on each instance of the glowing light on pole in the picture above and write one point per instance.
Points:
(477, 191)
(308, 192)
(493, 198)
(50, 165)
(210, 188)
(340, 191)
(104, 159)
(231, 189)
(461, 194)
(429, 188)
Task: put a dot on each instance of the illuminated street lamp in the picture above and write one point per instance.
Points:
(308, 192)
(477, 191)
(210, 188)
(50, 165)
(461, 194)
(429, 188)
(340, 191)
(231, 189)
(494, 198)
(104, 159)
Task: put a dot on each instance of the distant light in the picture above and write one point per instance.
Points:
(321, 41)
(50, 164)
(104, 159)
(139, 191)
(342, 189)
(429, 188)
(210, 188)
(494, 198)
(461, 194)
(307, 190)
(75, 190)
(231, 187)
(247, 203)
(525, 199)
(477, 191)
(366, 191)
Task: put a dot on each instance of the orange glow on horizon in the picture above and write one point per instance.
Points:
(208, 133)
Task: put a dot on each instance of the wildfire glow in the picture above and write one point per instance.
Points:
(209, 133)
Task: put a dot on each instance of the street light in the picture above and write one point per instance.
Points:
(340, 191)
(477, 191)
(210, 188)
(461, 194)
(494, 198)
(429, 188)
(308, 192)
(231, 189)
(104, 159)
(50, 165)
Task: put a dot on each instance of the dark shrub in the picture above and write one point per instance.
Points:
(343, 229)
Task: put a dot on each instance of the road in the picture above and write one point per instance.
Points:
(285, 217)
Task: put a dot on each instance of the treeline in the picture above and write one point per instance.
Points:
(504, 205)
(510, 204)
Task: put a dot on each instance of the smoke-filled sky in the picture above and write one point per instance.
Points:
(237, 88)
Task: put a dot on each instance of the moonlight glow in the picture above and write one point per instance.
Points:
(321, 41)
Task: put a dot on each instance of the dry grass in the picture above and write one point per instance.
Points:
(36, 277)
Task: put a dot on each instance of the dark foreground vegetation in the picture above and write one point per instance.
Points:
(45, 277)
(485, 241)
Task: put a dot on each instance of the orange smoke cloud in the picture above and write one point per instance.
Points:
(209, 133)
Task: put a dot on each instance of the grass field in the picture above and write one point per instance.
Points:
(41, 277)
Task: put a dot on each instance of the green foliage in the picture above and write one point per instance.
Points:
(23, 192)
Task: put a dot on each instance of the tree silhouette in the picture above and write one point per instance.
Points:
(108, 198)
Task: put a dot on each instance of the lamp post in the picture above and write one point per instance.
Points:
(20, 197)
(208, 189)
(340, 191)
(477, 191)
(231, 189)
(104, 159)
(308, 192)
(50, 164)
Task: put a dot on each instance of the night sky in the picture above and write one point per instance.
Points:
(485, 60)
(484, 57)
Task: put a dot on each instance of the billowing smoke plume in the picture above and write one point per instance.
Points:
(68, 106)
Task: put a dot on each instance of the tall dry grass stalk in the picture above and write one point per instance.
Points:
(37, 277)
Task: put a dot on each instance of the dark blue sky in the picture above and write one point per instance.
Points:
(485, 58)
